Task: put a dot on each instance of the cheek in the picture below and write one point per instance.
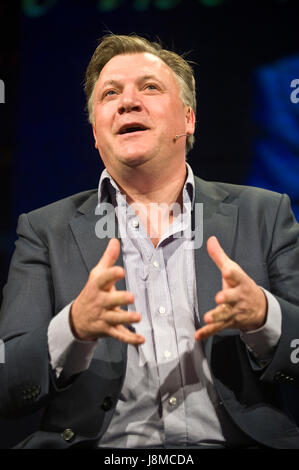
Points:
(104, 115)
(174, 124)
(171, 113)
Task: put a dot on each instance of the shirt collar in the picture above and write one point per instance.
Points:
(108, 187)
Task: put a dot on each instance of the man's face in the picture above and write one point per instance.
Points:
(138, 112)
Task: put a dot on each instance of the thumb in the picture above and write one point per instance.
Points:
(217, 253)
(110, 254)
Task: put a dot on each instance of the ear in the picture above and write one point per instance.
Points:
(95, 136)
(190, 120)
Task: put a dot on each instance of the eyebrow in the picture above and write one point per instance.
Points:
(144, 78)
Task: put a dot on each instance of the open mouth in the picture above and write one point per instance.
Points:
(128, 129)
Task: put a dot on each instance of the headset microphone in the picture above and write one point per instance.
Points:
(179, 135)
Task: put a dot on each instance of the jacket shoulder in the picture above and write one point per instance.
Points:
(62, 211)
(236, 192)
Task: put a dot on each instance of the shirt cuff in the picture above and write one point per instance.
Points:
(262, 342)
(67, 353)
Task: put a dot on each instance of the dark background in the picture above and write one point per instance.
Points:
(246, 54)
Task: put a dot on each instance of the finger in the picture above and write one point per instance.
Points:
(217, 253)
(233, 275)
(109, 276)
(120, 317)
(122, 333)
(210, 330)
(110, 254)
(223, 312)
(117, 298)
(228, 296)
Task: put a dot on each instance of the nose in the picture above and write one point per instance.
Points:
(129, 101)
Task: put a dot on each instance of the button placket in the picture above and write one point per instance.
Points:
(163, 326)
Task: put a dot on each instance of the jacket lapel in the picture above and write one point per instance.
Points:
(219, 219)
(92, 248)
(84, 226)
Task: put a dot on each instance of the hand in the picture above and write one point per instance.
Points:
(96, 311)
(241, 303)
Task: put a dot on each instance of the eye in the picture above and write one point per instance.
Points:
(109, 93)
(151, 86)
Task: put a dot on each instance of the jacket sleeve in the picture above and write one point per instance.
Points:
(283, 269)
(26, 379)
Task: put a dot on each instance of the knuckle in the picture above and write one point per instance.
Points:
(94, 273)
(119, 271)
(227, 272)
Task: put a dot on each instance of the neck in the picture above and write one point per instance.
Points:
(143, 187)
(152, 196)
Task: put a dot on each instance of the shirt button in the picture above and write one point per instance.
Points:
(172, 401)
(167, 354)
(155, 264)
(162, 310)
(135, 223)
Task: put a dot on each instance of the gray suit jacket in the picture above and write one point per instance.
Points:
(55, 251)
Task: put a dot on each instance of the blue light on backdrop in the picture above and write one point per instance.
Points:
(276, 113)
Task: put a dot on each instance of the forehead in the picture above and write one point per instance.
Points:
(133, 66)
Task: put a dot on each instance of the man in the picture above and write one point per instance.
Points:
(199, 357)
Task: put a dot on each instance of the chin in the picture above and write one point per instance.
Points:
(135, 160)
